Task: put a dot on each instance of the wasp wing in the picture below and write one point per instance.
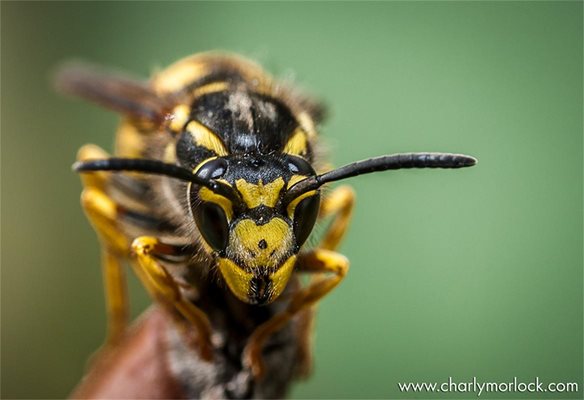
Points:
(114, 91)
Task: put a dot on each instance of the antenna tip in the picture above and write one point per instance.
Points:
(468, 161)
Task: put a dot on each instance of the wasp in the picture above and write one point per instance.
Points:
(214, 189)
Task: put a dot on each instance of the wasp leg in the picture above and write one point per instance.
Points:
(314, 261)
(163, 288)
(95, 179)
(102, 213)
(339, 204)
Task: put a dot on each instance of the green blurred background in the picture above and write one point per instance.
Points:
(464, 273)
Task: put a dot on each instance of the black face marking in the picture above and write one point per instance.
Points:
(247, 122)
(262, 215)
(263, 244)
(253, 168)
(260, 290)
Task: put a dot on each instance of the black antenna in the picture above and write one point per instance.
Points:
(383, 163)
(158, 168)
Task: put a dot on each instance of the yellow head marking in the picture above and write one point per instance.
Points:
(297, 144)
(256, 195)
(261, 245)
(202, 136)
(292, 206)
(294, 180)
(237, 279)
(208, 195)
(282, 275)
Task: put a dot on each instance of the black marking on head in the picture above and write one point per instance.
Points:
(246, 121)
(253, 168)
(261, 215)
(260, 289)
(262, 244)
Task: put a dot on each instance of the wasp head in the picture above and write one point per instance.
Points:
(253, 230)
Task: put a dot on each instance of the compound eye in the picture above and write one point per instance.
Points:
(213, 169)
(212, 224)
(299, 166)
(304, 218)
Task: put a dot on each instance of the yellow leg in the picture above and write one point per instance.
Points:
(96, 179)
(339, 204)
(116, 296)
(315, 261)
(162, 287)
(102, 212)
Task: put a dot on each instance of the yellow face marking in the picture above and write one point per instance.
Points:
(294, 180)
(260, 245)
(281, 276)
(237, 279)
(210, 88)
(297, 144)
(292, 206)
(180, 116)
(205, 138)
(208, 195)
(256, 195)
(199, 165)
